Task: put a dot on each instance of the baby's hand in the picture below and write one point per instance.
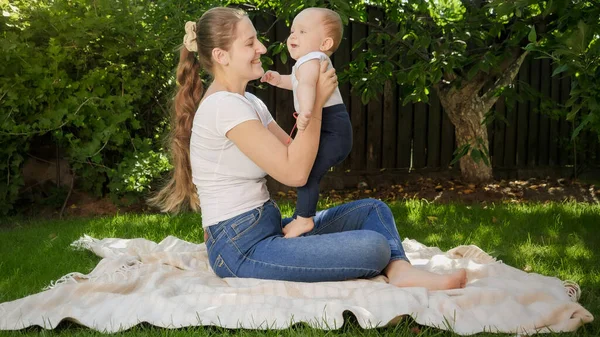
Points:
(303, 120)
(271, 77)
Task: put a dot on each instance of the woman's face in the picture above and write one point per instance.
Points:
(245, 52)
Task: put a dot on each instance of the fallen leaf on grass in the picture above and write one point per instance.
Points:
(415, 330)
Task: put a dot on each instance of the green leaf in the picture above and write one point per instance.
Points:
(473, 71)
(587, 120)
(532, 37)
(560, 69)
(476, 155)
(573, 113)
(365, 97)
(460, 152)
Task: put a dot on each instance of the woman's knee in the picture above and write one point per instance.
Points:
(376, 203)
(376, 249)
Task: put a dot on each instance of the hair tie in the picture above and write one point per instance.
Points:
(189, 40)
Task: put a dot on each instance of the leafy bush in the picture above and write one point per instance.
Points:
(98, 77)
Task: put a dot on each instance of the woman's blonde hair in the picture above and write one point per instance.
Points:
(215, 29)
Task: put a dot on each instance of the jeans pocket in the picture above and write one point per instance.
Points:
(246, 222)
(221, 268)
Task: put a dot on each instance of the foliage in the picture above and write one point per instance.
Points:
(575, 48)
(137, 170)
(455, 46)
(97, 77)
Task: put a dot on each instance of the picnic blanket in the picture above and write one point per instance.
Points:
(171, 285)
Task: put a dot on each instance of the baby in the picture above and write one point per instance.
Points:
(316, 33)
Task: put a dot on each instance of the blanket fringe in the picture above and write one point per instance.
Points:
(84, 243)
(572, 289)
(69, 278)
(128, 266)
(471, 252)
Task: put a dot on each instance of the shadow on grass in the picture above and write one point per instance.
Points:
(560, 236)
(558, 240)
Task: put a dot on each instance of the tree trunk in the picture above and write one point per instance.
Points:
(466, 109)
(467, 117)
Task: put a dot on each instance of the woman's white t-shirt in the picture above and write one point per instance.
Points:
(228, 182)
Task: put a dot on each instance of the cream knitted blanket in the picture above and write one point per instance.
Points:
(170, 285)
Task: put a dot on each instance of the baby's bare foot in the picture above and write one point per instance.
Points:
(298, 227)
(402, 274)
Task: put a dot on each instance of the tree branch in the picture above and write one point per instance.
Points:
(489, 98)
(394, 37)
(501, 68)
(476, 83)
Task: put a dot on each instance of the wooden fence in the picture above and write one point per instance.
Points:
(420, 136)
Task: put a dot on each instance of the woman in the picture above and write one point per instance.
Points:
(224, 143)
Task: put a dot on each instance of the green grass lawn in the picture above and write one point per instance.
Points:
(554, 239)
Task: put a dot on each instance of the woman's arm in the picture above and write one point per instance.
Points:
(279, 133)
(291, 164)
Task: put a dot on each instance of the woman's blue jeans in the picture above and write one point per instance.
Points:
(354, 240)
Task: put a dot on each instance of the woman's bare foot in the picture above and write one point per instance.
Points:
(402, 274)
(298, 226)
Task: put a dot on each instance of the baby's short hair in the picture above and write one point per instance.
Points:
(333, 26)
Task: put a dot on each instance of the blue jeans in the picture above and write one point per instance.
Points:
(334, 147)
(354, 240)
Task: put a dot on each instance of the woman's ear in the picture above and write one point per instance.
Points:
(220, 56)
(326, 44)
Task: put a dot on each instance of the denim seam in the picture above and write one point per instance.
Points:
(209, 247)
(387, 230)
(381, 220)
(244, 256)
(218, 236)
(279, 211)
(340, 216)
(241, 220)
(224, 263)
(256, 220)
(309, 268)
(403, 258)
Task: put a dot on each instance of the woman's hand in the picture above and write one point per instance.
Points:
(326, 84)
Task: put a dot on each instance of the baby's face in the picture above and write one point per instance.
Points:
(306, 35)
